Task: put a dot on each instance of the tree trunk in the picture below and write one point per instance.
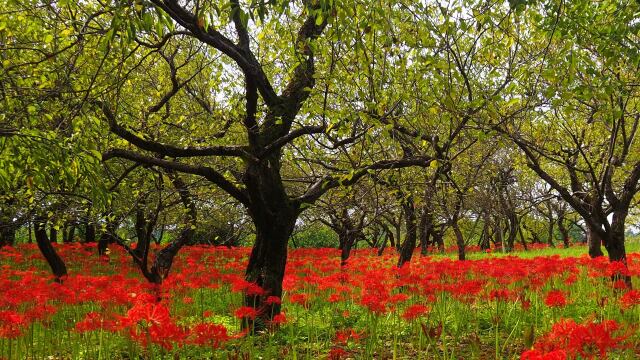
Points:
(459, 240)
(350, 238)
(106, 238)
(563, 232)
(274, 216)
(388, 236)
(409, 245)
(53, 234)
(7, 234)
(48, 251)
(484, 237)
(513, 231)
(594, 242)
(438, 238)
(90, 232)
(68, 236)
(550, 233)
(615, 245)
(523, 241)
(267, 263)
(498, 232)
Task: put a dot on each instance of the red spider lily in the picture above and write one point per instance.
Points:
(500, 295)
(271, 300)
(151, 313)
(397, 298)
(11, 324)
(539, 355)
(630, 299)
(375, 303)
(246, 312)
(617, 268)
(343, 336)
(279, 319)
(415, 311)
(209, 334)
(590, 340)
(92, 321)
(302, 299)
(555, 298)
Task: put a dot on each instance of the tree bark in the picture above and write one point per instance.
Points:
(484, 239)
(53, 234)
(615, 245)
(550, 233)
(409, 245)
(7, 234)
(459, 240)
(89, 232)
(563, 231)
(68, 236)
(56, 263)
(594, 242)
(438, 238)
(274, 216)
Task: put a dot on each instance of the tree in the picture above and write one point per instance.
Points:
(578, 114)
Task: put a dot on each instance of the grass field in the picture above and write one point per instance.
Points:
(541, 304)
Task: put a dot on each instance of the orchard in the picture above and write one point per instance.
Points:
(251, 179)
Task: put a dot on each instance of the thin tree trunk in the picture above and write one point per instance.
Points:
(563, 232)
(550, 233)
(68, 237)
(459, 240)
(523, 241)
(409, 245)
(56, 263)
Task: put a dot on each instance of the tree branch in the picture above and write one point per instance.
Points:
(204, 171)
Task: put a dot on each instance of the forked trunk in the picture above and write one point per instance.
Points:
(350, 238)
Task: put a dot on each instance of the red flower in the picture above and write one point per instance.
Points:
(415, 311)
(11, 324)
(92, 321)
(539, 355)
(343, 336)
(555, 298)
(272, 300)
(590, 340)
(630, 298)
(501, 294)
(279, 319)
(246, 312)
(301, 299)
(209, 334)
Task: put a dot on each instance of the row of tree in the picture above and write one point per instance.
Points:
(160, 114)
